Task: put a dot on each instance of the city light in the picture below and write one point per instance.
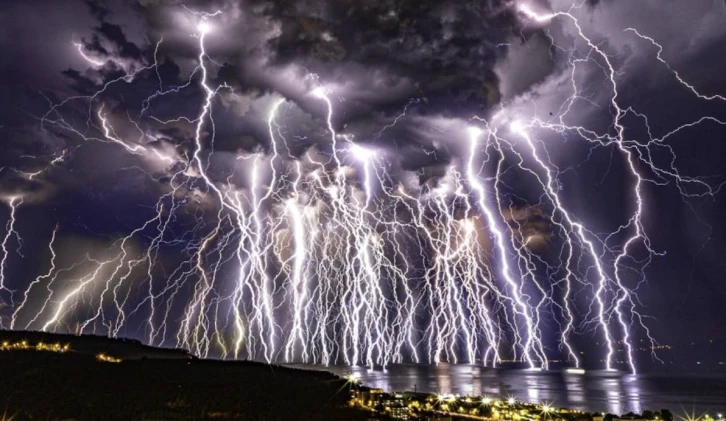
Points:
(40, 346)
(441, 404)
(107, 358)
(547, 409)
(353, 377)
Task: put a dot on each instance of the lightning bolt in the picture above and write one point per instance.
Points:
(10, 231)
(79, 46)
(326, 257)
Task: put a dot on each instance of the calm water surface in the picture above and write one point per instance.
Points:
(614, 392)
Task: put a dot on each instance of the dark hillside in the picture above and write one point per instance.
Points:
(43, 385)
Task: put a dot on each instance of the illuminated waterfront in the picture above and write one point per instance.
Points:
(614, 392)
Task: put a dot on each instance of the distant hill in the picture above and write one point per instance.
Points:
(156, 384)
(91, 344)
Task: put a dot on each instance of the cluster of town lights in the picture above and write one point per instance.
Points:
(508, 408)
(49, 347)
(107, 358)
(40, 346)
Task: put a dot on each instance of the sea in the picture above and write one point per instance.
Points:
(686, 394)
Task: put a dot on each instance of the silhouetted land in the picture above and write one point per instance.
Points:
(157, 384)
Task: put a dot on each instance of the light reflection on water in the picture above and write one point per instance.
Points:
(596, 390)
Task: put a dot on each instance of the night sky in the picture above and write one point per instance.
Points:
(405, 79)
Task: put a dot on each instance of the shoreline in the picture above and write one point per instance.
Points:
(423, 406)
(595, 392)
(80, 350)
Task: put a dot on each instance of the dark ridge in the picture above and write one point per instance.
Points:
(92, 344)
(157, 384)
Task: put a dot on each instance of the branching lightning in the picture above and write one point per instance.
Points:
(327, 258)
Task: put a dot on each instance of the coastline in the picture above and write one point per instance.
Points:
(416, 406)
(686, 394)
(125, 375)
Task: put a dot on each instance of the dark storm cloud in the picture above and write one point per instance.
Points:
(686, 30)
(29, 157)
(98, 9)
(115, 35)
(14, 183)
(435, 47)
(455, 59)
(373, 56)
(43, 66)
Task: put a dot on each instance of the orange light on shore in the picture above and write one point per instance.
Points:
(107, 358)
(40, 346)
